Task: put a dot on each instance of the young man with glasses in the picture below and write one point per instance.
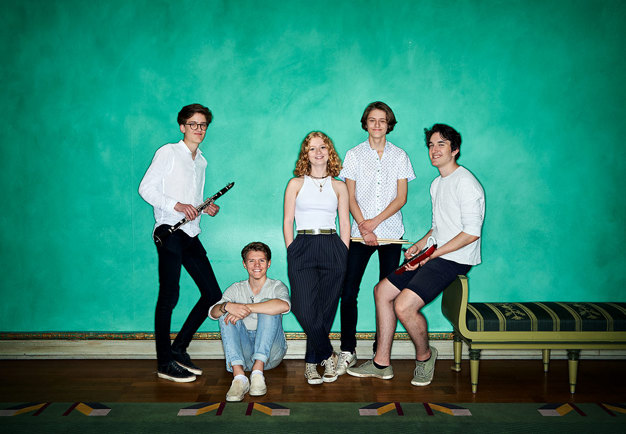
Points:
(174, 186)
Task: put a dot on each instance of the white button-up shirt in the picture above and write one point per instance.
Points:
(174, 176)
(377, 184)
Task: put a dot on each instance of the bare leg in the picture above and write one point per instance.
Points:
(258, 366)
(384, 295)
(238, 370)
(407, 308)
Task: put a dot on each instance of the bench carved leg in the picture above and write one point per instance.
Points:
(474, 361)
(572, 366)
(458, 347)
(546, 359)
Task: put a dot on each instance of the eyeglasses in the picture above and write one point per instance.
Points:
(194, 125)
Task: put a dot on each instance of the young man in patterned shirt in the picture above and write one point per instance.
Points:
(377, 175)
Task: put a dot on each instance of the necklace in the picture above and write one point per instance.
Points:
(319, 184)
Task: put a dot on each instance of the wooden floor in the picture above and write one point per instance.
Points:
(136, 381)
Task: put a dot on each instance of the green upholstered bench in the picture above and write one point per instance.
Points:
(548, 325)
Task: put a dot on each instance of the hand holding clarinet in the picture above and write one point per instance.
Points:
(191, 213)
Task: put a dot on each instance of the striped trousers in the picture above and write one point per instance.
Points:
(316, 266)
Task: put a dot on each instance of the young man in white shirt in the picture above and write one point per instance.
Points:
(377, 175)
(458, 203)
(250, 317)
(174, 186)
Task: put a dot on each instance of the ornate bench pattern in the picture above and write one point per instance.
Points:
(531, 325)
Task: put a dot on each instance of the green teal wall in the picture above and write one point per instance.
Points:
(91, 89)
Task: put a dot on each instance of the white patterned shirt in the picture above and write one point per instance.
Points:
(377, 184)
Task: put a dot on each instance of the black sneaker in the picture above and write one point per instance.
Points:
(184, 360)
(173, 372)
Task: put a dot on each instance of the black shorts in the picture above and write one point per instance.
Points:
(429, 280)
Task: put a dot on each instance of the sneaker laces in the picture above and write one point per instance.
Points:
(329, 365)
(420, 368)
(343, 358)
(176, 368)
(311, 370)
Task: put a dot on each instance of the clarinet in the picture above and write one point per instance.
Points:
(159, 238)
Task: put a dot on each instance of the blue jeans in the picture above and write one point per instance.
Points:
(242, 346)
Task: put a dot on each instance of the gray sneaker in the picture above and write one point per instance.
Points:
(368, 369)
(346, 360)
(424, 371)
(311, 374)
(238, 390)
(330, 369)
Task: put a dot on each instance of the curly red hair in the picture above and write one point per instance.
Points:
(303, 166)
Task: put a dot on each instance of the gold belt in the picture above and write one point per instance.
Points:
(316, 231)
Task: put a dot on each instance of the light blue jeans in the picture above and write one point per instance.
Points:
(242, 346)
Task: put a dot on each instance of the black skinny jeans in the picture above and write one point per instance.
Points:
(358, 257)
(181, 250)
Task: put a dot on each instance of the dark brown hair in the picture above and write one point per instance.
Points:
(447, 133)
(189, 110)
(379, 105)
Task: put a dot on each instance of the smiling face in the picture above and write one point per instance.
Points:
(377, 124)
(318, 153)
(257, 264)
(194, 137)
(441, 154)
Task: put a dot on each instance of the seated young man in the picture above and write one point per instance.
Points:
(250, 318)
(458, 203)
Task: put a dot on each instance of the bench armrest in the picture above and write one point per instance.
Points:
(454, 303)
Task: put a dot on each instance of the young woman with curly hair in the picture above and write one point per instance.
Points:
(316, 258)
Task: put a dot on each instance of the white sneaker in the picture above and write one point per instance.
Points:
(238, 389)
(257, 385)
(311, 374)
(330, 369)
(346, 360)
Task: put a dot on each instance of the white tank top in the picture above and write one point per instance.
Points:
(316, 209)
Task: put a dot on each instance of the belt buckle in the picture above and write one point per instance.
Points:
(316, 231)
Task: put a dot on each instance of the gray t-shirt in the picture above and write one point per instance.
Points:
(240, 292)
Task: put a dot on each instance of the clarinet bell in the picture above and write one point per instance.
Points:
(160, 234)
